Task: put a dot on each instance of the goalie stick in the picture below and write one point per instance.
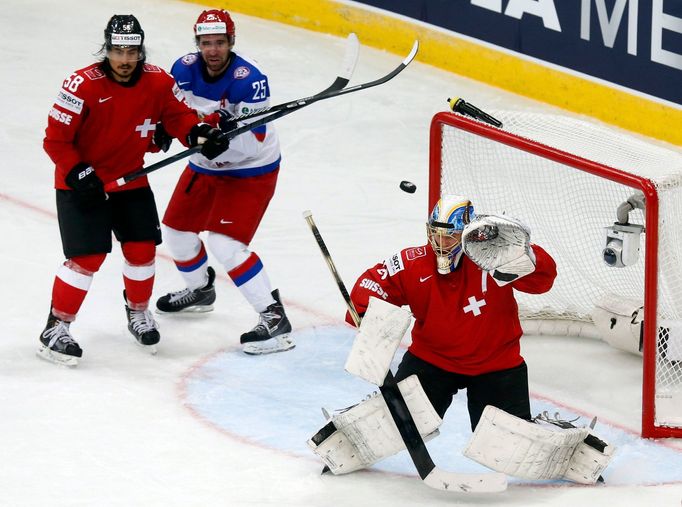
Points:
(335, 90)
(430, 474)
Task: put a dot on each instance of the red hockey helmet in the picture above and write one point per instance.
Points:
(215, 21)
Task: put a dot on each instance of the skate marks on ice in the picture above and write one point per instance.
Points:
(275, 402)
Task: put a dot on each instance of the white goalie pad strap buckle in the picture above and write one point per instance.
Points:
(381, 330)
(365, 433)
(539, 451)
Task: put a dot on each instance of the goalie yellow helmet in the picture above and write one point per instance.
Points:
(444, 229)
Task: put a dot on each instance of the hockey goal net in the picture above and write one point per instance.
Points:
(566, 179)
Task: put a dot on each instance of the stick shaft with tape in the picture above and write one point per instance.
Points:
(332, 268)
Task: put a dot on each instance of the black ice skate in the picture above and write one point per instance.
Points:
(271, 334)
(143, 327)
(57, 344)
(186, 300)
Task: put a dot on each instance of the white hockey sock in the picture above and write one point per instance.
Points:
(245, 269)
(189, 255)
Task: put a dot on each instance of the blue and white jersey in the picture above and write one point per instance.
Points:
(241, 89)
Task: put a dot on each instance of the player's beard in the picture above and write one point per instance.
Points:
(217, 64)
(123, 71)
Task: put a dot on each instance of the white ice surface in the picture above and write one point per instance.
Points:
(200, 423)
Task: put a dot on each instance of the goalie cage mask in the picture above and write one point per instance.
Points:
(444, 229)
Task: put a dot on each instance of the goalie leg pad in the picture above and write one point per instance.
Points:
(520, 448)
(365, 433)
(381, 330)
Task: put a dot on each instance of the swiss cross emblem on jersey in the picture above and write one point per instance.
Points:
(146, 127)
(474, 306)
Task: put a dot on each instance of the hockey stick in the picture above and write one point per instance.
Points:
(342, 79)
(429, 473)
(349, 60)
(295, 106)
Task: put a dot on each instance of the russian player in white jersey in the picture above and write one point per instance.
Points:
(228, 195)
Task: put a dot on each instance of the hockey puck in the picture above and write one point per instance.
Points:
(408, 186)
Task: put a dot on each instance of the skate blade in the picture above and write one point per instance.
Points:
(280, 343)
(188, 311)
(149, 349)
(57, 358)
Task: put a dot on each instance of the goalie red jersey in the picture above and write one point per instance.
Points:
(465, 322)
(109, 125)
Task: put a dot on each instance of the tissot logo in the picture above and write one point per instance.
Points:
(394, 264)
(69, 101)
(126, 39)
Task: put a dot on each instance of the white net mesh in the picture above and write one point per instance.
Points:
(568, 210)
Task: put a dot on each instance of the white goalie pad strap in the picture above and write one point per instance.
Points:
(500, 245)
(587, 464)
(366, 433)
(380, 333)
(520, 448)
(618, 321)
(336, 451)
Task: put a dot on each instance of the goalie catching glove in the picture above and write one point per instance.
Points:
(499, 245)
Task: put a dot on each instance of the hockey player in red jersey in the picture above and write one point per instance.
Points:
(466, 332)
(226, 197)
(99, 128)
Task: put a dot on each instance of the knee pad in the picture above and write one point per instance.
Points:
(139, 253)
(183, 245)
(228, 251)
(89, 263)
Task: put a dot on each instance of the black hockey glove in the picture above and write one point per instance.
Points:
(86, 184)
(226, 122)
(162, 139)
(213, 142)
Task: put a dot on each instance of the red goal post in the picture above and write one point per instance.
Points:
(566, 178)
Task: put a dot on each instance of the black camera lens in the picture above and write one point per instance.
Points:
(610, 256)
